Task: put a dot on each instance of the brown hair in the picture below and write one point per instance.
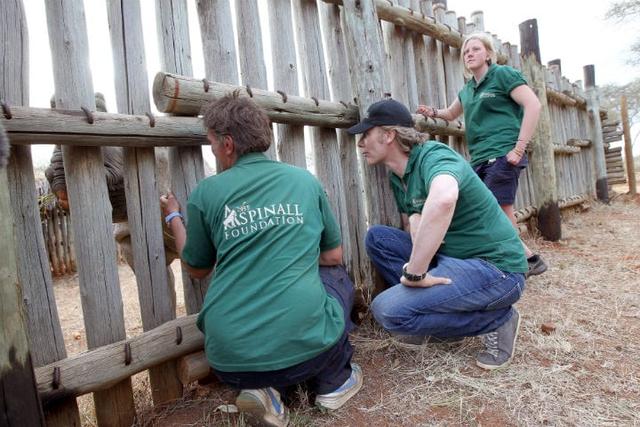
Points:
(242, 119)
(488, 45)
(406, 137)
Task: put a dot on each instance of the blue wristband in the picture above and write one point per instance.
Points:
(168, 218)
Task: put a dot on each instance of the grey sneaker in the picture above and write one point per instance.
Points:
(500, 345)
(263, 406)
(537, 265)
(342, 394)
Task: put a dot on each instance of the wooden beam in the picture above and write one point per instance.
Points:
(628, 146)
(583, 143)
(102, 367)
(186, 96)
(565, 149)
(593, 107)
(193, 367)
(45, 126)
(100, 293)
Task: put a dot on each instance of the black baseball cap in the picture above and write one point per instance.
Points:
(387, 112)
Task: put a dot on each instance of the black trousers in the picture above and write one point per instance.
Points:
(323, 373)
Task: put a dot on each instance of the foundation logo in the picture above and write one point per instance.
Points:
(487, 95)
(244, 220)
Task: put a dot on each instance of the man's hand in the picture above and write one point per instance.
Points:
(427, 282)
(169, 203)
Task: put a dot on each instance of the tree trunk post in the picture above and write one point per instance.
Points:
(185, 163)
(19, 400)
(365, 53)
(542, 156)
(593, 107)
(155, 292)
(84, 169)
(628, 147)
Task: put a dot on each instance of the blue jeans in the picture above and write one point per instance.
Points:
(477, 301)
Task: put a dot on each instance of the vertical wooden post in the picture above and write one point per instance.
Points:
(593, 107)
(424, 68)
(628, 147)
(542, 157)
(253, 71)
(290, 138)
(155, 292)
(323, 140)
(409, 61)
(92, 229)
(186, 164)
(394, 45)
(477, 18)
(365, 53)
(19, 400)
(338, 68)
(438, 95)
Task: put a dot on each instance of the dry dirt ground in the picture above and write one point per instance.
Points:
(584, 372)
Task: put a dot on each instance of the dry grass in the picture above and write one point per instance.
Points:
(586, 372)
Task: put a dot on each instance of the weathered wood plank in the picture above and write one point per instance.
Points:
(99, 369)
(98, 272)
(366, 69)
(183, 95)
(542, 160)
(338, 68)
(324, 142)
(19, 403)
(155, 292)
(593, 108)
(290, 138)
(628, 146)
(186, 163)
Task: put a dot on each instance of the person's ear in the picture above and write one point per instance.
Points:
(229, 145)
(390, 135)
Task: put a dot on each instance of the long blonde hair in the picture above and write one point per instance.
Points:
(406, 137)
(486, 40)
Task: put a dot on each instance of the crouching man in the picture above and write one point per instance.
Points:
(459, 265)
(277, 309)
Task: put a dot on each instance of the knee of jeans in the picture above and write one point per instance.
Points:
(386, 313)
(371, 240)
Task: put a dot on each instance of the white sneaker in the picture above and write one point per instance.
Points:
(263, 406)
(342, 394)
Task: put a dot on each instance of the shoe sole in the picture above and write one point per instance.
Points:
(254, 409)
(336, 403)
(513, 352)
(537, 270)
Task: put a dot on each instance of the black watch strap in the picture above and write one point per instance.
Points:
(412, 277)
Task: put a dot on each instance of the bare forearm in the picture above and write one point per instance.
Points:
(435, 220)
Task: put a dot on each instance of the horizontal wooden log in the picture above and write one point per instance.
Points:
(438, 126)
(47, 126)
(559, 98)
(420, 23)
(105, 366)
(579, 142)
(612, 138)
(617, 181)
(565, 149)
(613, 150)
(525, 213)
(186, 96)
(572, 201)
(193, 367)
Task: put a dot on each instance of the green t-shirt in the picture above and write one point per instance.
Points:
(479, 228)
(263, 224)
(492, 118)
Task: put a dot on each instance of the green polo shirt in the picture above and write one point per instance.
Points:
(479, 228)
(492, 118)
(263, 225)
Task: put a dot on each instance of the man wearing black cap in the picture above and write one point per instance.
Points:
(459, 266)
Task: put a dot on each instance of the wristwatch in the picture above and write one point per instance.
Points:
(412, 277)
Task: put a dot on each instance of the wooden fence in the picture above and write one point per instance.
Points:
(350, 56)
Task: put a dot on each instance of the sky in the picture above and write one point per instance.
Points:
(568, 29)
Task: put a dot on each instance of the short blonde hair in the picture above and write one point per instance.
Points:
(486, 40)
(406, 137)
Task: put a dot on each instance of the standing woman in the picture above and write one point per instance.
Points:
(500, 115)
